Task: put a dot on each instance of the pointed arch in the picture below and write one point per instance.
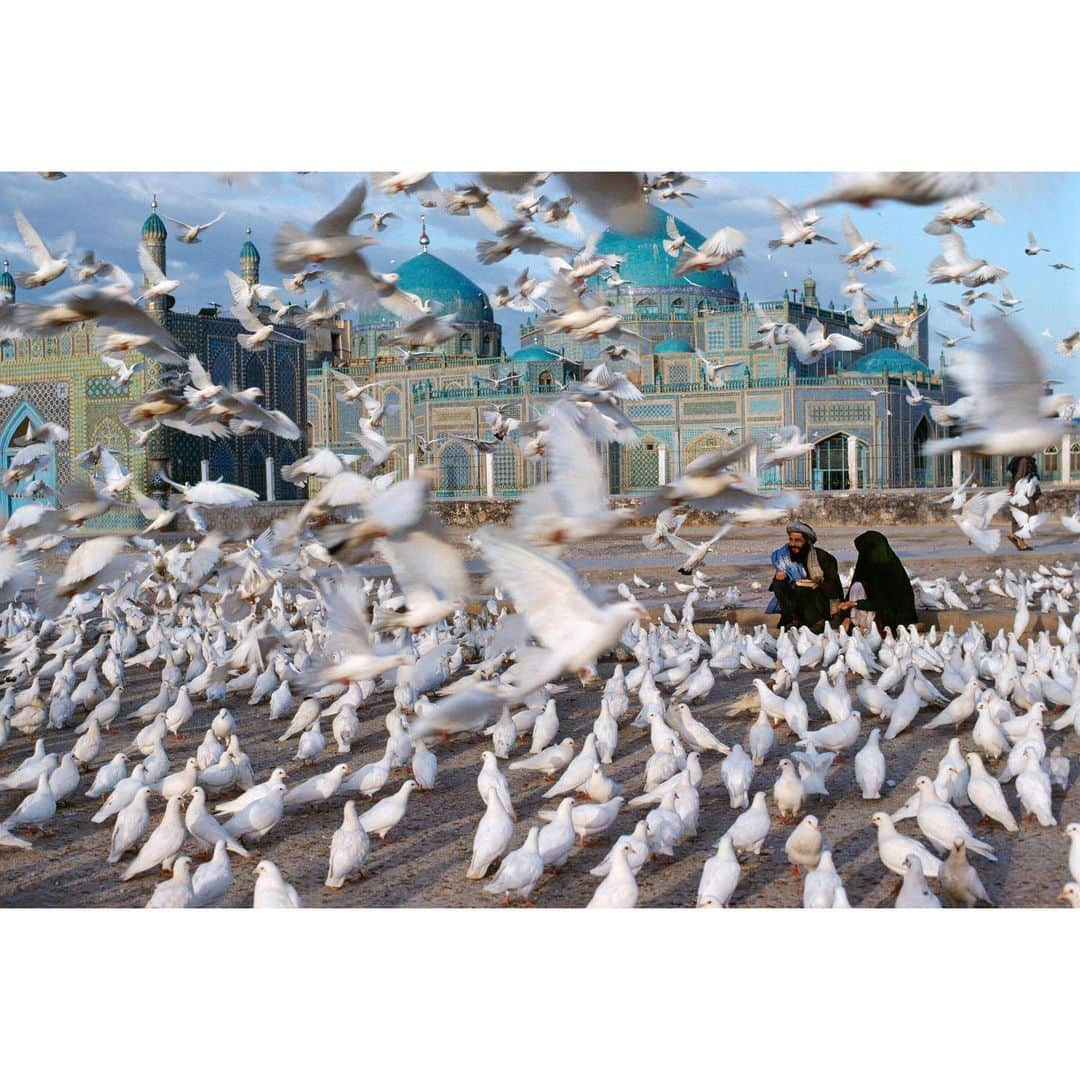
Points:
(830, 462)
(18, 424)
(393, 422)
(455, 468)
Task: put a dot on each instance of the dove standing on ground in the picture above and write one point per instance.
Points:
(520, 870)
(493, 836)
(959, 878)
(749, 829)
(211, 881)
(915, 892)
(130, 825)
(870, 767)
(388, 812)
(804, 845)
(349, 849)
(271, 889)
(719, 876)
(986, 794)
(177, 892)
(619, 889)
(894, 848)
(162, 845)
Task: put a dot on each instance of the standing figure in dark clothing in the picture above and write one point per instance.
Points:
(806, 584)
(1023, 470)
(885, 588)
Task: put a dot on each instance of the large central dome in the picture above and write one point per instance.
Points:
(646, 264)
(432, 279)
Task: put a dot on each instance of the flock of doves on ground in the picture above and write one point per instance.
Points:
(289, 622)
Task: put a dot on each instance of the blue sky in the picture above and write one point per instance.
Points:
(105, 211)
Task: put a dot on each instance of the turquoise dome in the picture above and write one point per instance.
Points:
(891, 360)
(153, 227)
(249, 251)
(647, 265)
(432, 279)
(674, 345)
(535, 353)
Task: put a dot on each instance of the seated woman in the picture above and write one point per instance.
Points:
(880, 584)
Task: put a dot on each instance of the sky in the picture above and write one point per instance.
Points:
(105, 211)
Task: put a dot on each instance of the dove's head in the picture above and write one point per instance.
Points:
(878, 819)
(1073, 829)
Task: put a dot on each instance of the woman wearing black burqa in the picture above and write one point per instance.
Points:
(888, 592)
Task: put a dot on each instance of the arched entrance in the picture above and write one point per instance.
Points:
(18, 426)
(830, 463)
(923, 467)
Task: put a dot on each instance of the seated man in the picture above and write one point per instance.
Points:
(806, 586)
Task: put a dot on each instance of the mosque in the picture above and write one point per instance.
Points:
(858, 398)
(63, 379)
(853, 407)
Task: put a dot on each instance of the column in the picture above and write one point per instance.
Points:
(269, 463)
(957, 467)
(1066, 458)
(412, 464)
(853, 462)
(204, 470)
(489, 475)
(662, 452)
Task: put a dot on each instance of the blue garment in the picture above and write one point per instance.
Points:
(782, 560)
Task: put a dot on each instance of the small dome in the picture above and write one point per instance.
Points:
(891, 360)
(674, 345)
(153, 227)
(249, 250)
(432, 279)
(534, 353)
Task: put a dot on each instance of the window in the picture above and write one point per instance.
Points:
(735, 332)
(466, 343)
(485, 345)
(506, 467)
(641, 467)
(1050, 457)
(678, 308)
(393, 421)
(924, 467)
(1074, 458)
(714, 338)
(455, 473)
(380, 345)
(546, 379)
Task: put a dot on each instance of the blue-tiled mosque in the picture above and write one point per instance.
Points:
(859, 397)
(63, 379)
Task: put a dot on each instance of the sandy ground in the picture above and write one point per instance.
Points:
(424, 861)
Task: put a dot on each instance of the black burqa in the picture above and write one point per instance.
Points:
(881, 573)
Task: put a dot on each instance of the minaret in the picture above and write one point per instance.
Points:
(809, 291)
(7, 286)
(154, 236)
(424, 241)
(249, 260)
